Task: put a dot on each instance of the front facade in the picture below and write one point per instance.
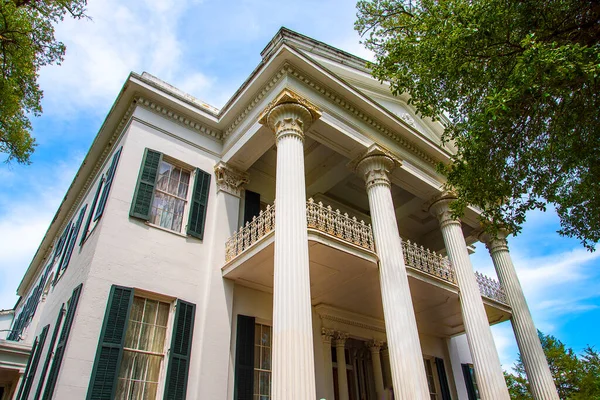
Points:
(296, 244)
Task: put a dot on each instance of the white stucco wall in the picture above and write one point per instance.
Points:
(458, 348)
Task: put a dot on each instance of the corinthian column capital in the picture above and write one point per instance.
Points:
(375, 166)
(375, 345)
(230, 179)
(327, 335)
(494, 243)
(439, 207)
(289, 115)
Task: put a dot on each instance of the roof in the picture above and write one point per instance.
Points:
(182, 105)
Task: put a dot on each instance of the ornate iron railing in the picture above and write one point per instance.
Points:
(491, 288)
(349, 229)
(334, 223)
(319, 217)
(251, 233)
(428, 261)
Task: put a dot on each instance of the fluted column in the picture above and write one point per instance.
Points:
(534, 360)
(408, 373)
(488, 370)
(293, 367)
(375, 348)
(327, 337)
(340, 352)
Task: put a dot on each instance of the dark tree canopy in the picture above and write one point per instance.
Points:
(520, 82)
(26, 44)
(576, 378)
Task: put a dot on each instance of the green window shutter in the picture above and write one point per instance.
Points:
(144, 190)
(109, 178)
(27, 368)
(88, 222)
(469, 377)
(34, 360)
(441, 370)
(179, 353)
(103, 381)
(199, 204)
(244, 359)
(72, 240)
(38, 391)
(61, 242)
(251, 206)
(62, 343)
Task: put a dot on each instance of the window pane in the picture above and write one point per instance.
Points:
(163, 314)
(266, 358)
(257, 334)
(174, 181)
(146, 330)
(264, 382)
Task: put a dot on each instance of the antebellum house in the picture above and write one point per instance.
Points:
(295, 244)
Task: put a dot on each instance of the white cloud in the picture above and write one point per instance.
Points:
(119, 38)
(24, 220)
(558, 276)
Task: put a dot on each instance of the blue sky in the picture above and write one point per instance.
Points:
(208, 48)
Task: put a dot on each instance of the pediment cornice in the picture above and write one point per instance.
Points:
(288, 69)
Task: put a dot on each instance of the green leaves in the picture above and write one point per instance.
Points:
(520, 83)
(575, 377)
(27, 43)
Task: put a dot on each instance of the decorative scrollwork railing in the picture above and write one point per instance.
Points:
(428, 261)
(319, 217)
(251, 233)
(349, 229)
(342, 226)
(491, 288)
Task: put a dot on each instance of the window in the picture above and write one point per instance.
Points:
(262, 362)
(132, 362)
(170, 196)
(163, 192)
(144, 349)
(430, 379)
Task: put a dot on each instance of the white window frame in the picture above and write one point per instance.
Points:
(434, 376)
(258, 321)
(162, 376)
(186, 208)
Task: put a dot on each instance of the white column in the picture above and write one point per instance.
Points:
(212, 381)
(488, 370)
(375, 348)
(293, 368)
(340, 352)
(327, 336)
(534, 360)
(408, 372)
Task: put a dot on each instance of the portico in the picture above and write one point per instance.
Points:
(310, 256)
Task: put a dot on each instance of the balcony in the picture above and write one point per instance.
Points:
(351, 231)
(343, 269)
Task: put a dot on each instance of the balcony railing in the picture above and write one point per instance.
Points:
(339, 225)
(350, 230)
(491, 288)
(427, 261)
(251, 233)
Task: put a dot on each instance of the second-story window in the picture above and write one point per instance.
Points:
(170, 197)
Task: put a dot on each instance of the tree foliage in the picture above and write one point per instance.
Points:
(27, 43)
(519, 81)
(576, 378)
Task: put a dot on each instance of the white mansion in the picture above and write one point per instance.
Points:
(295, 244)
